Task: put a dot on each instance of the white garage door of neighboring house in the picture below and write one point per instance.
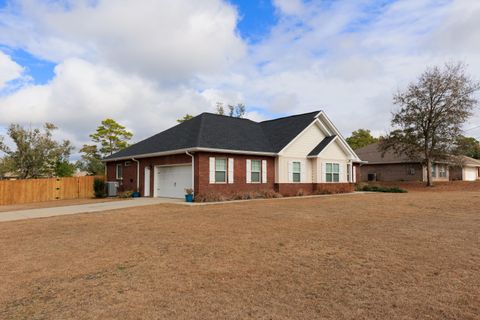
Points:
(171, 181)
(469, 174)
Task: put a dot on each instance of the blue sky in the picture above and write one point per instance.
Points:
(256, 18)
(148, 65)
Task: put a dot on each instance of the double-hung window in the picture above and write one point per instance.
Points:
(220, 170)
(434, 170)
(296, 171)
(332, 172)
(119, 172)
(256, 171)
(349, 168)
(442, 171)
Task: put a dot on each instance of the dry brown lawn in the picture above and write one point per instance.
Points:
(364, 256)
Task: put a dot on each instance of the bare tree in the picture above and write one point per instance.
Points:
(431, 113)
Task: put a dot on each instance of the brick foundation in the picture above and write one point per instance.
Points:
(294, 189)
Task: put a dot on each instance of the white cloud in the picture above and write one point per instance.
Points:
(290, 7)
(147, 65)
(9, 70)
(152, 38)
(82, 94)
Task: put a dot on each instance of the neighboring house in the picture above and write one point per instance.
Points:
(212, 153)
(393, 167)
(467, 169)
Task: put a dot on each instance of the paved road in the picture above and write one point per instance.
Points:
(82, 208)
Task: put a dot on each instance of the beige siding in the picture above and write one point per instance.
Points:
(282, 167)
(305, 142)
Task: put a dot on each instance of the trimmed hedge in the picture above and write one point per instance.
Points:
(381, 189)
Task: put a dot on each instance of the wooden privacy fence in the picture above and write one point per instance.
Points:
(37, 190)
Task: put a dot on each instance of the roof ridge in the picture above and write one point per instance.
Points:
(200, 129)
(224, 115)
(291, 116)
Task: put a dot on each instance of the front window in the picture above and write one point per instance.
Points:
(256, 170)
(220, 170)
(119, 171)
(296, 170)
(348, 172)
(442, 172)
(332, 172)
(434, 170)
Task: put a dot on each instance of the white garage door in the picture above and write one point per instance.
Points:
(171, 181)
(469, 174)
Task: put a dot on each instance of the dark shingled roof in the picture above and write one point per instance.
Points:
(209, 130)
(325, 142)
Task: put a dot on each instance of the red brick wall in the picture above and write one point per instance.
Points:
(130, 172)
(392, 172)
(201, 174)
(202, 179)
(293, 189)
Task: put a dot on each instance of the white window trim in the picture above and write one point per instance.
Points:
(259, 172)
(332, 173)
(299, 172)
(116, 171)
(226, 170)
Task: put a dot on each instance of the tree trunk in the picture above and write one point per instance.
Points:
(429, 173)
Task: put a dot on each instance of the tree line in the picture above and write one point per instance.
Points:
(426, 126)
(38, 155)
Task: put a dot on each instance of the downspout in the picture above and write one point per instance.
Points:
(193, 170)
(138, 173)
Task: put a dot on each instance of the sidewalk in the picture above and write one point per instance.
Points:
(83, 208)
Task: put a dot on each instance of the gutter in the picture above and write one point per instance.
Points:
(194, 149)
(138, 173)
(193, 170)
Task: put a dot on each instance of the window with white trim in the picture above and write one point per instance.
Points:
(119, 172)
(332, 172)
(256, 171)
(434, 170)
(442, 171)
(220, 170)
(296, 171)
(349, 167)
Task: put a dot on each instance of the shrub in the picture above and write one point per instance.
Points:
(209, 197)
(125, 194)
(262, 194)
(323, 191)
(300, 193)
(99, 188)
(269, 194)
(371, 188)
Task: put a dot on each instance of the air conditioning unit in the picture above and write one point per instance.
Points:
(112, 188)
(372, 177)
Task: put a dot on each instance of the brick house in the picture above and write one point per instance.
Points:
(221, 154)
(393, 167)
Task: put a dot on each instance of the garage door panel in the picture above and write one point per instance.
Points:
(470, 174)
(172, 181)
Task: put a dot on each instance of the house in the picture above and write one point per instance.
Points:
(466, 169)
(213, 153)
(392, 167)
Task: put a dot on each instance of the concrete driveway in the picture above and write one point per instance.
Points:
(83, 208)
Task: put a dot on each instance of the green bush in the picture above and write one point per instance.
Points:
(371, 188)
(99, 188)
